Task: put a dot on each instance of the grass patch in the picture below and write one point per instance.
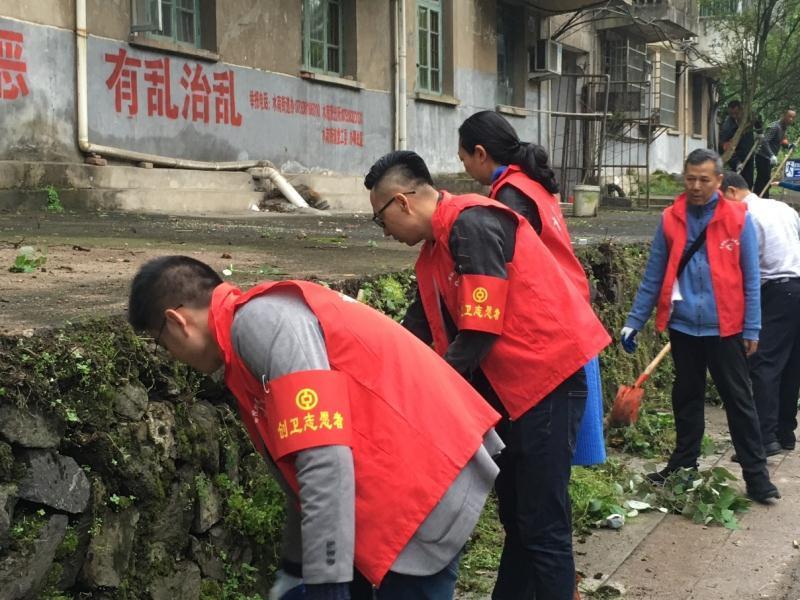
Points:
(652, 436)
(481, 559)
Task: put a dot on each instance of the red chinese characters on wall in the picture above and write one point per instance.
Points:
(159, 90)
(334, 136)
(12, 67)
(199, 93)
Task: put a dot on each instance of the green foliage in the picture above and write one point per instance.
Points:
(68, 545)
(53, 200)
(74, 372)
(239, 584)
(596, 492)
(662, 183)
(704, 496)
(28, 260)
(254, 509)
(482, 555)
(652, 436)
(26, 527)
(7, 466)
(120, 503)
(615, 271)
(390, 294)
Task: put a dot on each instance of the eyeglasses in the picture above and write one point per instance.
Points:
(377, 219)
(164, 324)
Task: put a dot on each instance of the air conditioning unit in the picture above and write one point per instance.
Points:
(545, 59)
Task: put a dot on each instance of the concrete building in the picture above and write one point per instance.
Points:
(330, 85)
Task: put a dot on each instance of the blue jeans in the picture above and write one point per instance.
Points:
(396, 586)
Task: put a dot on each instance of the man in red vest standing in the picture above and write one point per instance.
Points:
(385, 452)
(494, 302)
(703, 276)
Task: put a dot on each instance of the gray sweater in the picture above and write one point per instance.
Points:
(277, 334)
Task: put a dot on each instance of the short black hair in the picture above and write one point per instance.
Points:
(703, 155)
(166, 282)
(735, 180)
(735, 104)
(406, 163)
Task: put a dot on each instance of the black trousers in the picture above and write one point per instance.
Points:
(775, 367)
(533, 496)
(725, 359)
(763, 172)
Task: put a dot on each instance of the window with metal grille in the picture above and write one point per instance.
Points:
(666, 89)
(429, 47)
(322, 36)
(625, 60)
(176, 20)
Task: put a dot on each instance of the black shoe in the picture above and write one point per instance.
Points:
(658, 478)
(763, 492)
(770, 449)
(787, 442)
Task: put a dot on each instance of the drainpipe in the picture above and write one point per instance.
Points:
(401, 79)
(81, 42)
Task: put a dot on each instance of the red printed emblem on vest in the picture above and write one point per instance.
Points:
(306, 409)
(482, 303)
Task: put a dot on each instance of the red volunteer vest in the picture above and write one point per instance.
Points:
(554, 229)
(413, 422)
(722, 246)
(547, 330)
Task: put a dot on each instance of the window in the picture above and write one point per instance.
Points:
(183, 22)
(177, 20)
(429, 48)
(698, 89)
(625, 60)
(511, 55)
(322, 36)
(666, 92)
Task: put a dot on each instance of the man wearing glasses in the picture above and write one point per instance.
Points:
(385, 452)
(496, 305)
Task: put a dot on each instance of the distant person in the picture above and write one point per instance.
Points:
(703, 276)
(384, 451)
(775, 367)
(767, 155)
(746, 142)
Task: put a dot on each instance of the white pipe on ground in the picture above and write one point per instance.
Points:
(81, 43)
(280, 182)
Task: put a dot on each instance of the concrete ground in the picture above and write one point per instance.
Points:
(667, 557)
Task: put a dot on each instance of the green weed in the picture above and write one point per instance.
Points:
(28, 260)
(53, 200)
(705, 496)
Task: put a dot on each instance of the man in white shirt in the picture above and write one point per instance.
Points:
(775, 367)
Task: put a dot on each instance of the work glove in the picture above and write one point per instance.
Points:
(627, 338)
(287, 587)
(328, 591)
(773, 160)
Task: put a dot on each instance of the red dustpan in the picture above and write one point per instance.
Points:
(625, 410)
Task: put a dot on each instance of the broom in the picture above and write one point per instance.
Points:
(625, 410)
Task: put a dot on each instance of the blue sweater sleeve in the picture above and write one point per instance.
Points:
(751, 275)
(650, 287)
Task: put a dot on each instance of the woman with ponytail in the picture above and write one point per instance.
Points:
(521, 178)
